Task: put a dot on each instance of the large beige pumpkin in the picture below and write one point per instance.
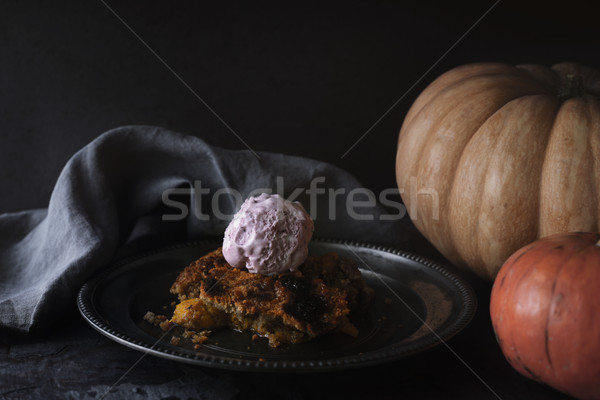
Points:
(491, 157)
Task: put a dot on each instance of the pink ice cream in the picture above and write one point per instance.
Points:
(268, 235)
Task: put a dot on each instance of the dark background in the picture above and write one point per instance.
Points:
(299, 78)
(293, 77)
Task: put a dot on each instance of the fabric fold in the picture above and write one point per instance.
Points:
(147, 183)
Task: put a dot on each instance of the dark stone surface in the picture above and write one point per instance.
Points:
(296, 78)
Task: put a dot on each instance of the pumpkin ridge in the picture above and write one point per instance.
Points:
(567, 158)
(547, 327)
(540, 186)
(521, 363)
(581, 248)
(463, 73)
(517, 288)
(416, 166)
(518, 92)
(577, 249)
(590, 153)
(452, 86)
(594, 143)
(487, 160)
(510, 292)
(487, 168)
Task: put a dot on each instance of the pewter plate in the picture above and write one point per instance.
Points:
(418, 305)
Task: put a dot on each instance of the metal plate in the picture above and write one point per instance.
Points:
(418, 305)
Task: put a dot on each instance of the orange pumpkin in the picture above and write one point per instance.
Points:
(545, 309)
(491, 157)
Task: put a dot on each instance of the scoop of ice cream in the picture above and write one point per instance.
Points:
(268, 235)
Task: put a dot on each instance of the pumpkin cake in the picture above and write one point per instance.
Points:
(290, 307)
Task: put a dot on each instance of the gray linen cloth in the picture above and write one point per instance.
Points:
(142, 182)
